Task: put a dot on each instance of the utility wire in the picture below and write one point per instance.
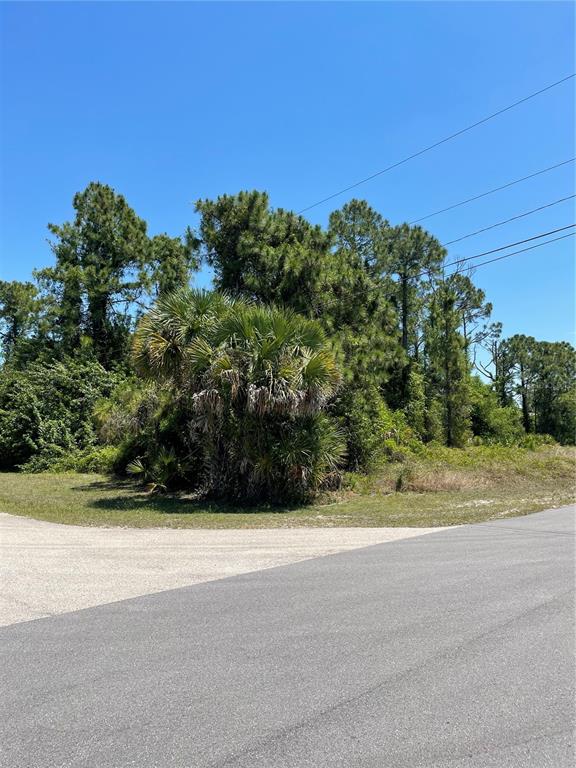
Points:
(457, 262)
(510, 245)
(491, 191)
(507, 221)
(522, 250)
(437, 143)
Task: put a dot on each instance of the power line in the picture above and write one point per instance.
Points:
(438, 143)
(507, 221)
(457, 262)
(510, 245)
(491, 191)
(522, 250)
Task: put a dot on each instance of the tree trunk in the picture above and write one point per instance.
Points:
(465, 335)
(499, 379)
(404, 282)
(448, 383)
(406, 369)
(524, 397)
(97, 310)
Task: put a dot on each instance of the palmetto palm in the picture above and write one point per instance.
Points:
(266, 361)
(264, 376)
(163, 336)
(258, 378)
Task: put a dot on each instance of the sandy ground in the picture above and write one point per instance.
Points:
(46, 568)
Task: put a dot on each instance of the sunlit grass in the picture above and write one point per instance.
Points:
(438, 487)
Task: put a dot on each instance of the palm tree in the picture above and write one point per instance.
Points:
(259, 379)
(164, 334)
(265, 361)
(264, 376)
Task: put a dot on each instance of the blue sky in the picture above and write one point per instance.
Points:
(170, 102)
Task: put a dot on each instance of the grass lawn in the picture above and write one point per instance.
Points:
(440, 487)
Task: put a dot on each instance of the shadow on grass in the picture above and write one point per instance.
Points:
(108, 484)
(135, 499)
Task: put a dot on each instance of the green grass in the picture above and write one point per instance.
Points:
(438, 487)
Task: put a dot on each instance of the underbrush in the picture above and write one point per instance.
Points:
(99, 459)
(435, 468)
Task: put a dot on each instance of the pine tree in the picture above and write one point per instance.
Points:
(412, 257)
(446, 365)
(107, 269)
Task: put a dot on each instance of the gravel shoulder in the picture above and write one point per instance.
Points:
(48, 569)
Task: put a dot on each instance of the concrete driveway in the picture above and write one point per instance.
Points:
(48, 569)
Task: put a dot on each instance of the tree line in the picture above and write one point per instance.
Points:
(319, 349)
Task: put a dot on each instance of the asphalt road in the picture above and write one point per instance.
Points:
(448, 650)
(47, 568)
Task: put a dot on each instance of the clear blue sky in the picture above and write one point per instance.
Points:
(169, 102)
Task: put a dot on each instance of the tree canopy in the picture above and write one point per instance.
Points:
(319, 349)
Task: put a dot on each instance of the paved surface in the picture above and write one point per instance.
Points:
(449, 650)
(47, 569)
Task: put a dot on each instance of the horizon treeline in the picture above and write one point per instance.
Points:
(362, 335)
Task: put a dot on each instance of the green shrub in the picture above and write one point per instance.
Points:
(434, 421)
(533, 442)
(146, 423)
(51, 458)
(562, 417)
(415, 410)
(374, 433)
(490, 421)
(20, 419)
(46, 411)
(358, 413)
(101, 460)
(54, 458)
(159, 472)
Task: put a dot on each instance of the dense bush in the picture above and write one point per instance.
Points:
(20, 419)
(148, 425)
(46, 411)
(415, 408)
(561, 419)
(534, 442)
(250, 384)
(100, 459)
(374, 433)
(490, 421)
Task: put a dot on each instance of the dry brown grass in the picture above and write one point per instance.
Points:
(439, 469)
(444, 480)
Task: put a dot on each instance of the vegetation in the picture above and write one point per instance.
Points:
(321, 355)
(439, 487)
(46, 411)
(251, 383)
